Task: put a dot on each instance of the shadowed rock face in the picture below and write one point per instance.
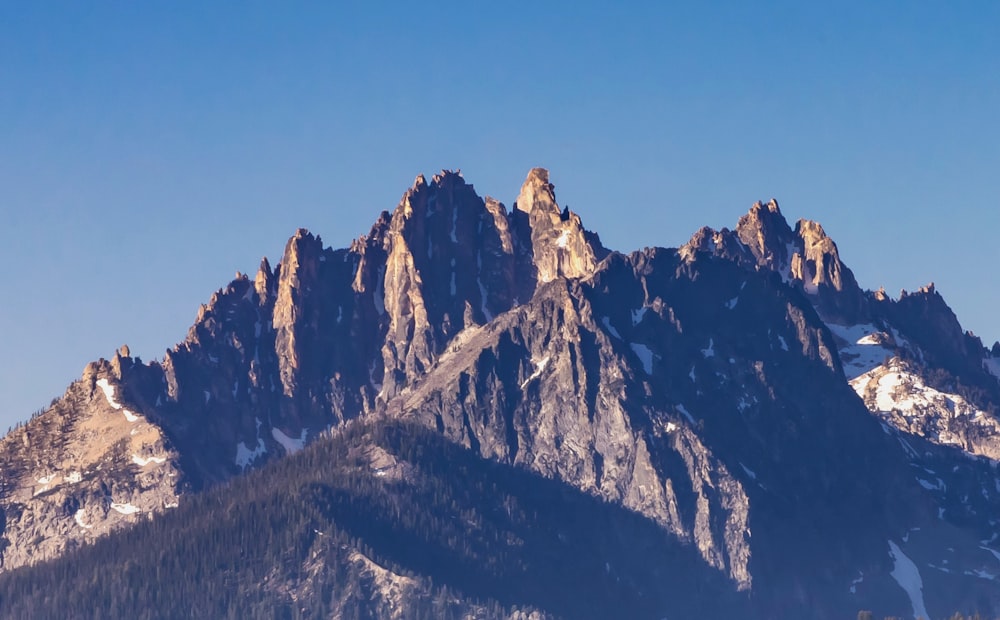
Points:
(712, 389)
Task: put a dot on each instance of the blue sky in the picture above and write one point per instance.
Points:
(150, 150)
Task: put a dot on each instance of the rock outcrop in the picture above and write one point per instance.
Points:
(90, 465)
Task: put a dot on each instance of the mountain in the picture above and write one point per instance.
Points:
(494, 402)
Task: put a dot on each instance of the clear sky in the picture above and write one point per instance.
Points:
(149, 150)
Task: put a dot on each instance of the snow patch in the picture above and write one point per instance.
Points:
(995, 554)
(539, 367)
(732, 302)
(710, 351)
(905, 572)
(563, 238)
(142, 462)
(902, 398)
(857, 580)
(861, 347)
(933, 486)
(73, 477)
(683, 410)
(982, 574)
(645, 355)
(78, 517)
(125, 509)
(290, 444)
(750, 472)
(784, 345)
(109, 394)
(638, 314)
(245, 456)
(611, 328)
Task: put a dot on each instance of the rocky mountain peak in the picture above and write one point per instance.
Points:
(298, 275)
(537, 193)
(764, 231)
(560, 246)
(699, 395)
(263, 283)
(820, 263)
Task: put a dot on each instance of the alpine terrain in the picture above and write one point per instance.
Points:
(476, 411)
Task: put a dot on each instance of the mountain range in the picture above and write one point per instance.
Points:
(482, 411)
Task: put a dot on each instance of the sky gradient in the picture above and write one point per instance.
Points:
(150, 150)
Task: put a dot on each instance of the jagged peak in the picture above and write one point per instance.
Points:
(810, 229)
(537, 193)
(301, 241)
(446, 176)
(766, 233)
(262, 282)
(302, 233)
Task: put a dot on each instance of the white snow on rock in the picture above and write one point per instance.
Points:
(109, 394)
(645, 355)
(862, 347)
(905, 572)
(73, 477)
(857, 580)
(563, 238)
(245, 456)
(539, 367)
(291, 445)
(611, 328)
(125, 509)
(903, 399)
(78, 517)
(142, 462)
(686, 413)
